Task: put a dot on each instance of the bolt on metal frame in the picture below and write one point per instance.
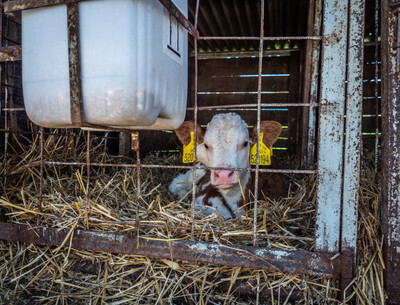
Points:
(338, 169)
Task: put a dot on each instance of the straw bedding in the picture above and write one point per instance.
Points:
(31, 274)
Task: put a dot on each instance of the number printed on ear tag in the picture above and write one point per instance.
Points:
(265, 153)
(188, 150)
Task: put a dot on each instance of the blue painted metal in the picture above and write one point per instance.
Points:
(331, 138)
(353, 125)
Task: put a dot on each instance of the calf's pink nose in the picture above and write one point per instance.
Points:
(224, 177)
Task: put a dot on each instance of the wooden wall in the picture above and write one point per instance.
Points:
(371, 105)
(234, 81)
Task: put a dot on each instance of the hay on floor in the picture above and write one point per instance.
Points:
(66, 276)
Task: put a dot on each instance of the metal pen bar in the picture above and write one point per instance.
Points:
(195, 124)
(352, 144)
(255, 106)
(261, 170)
(87, 181)
(270, 38)
(136, 146)
(331, 126)
(277, 260)
(376, 88)
(315, 71)
(75, 83)
(12, 109)
(4, 159)
(259, 79)
(42, 164)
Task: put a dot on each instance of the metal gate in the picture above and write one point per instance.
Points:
(335, 49)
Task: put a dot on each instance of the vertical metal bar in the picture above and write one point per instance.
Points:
(312, 112)
(260, 58)
(391, 149)
(353, 124)
(305, 92)
(5, 112)
(376, 84)
(136, 147)
(351, 173)
(331, 129)
(87, 180)
(196, 77)
(74, 64)
(41, 139)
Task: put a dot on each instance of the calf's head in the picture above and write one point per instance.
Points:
(226, 143)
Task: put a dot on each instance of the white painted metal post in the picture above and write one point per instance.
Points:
(351, 175)
(331, 129)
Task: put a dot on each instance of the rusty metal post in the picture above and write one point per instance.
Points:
(376, 85)
(331, 129)
(87, 180)
(391, 146)
(260, 58)
(195, 110)
(352, 155)
(75, 83)
(306, 76)
(312, 111)
(288, 261)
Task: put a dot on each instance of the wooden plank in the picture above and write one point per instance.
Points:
(370, 105)
(368, 124)
(242, 84)
(249, 116)
(157, 140)
(295, 122)
(369, 89)
(246, 66)
(235, 99)
(369, 70)
(369, 54)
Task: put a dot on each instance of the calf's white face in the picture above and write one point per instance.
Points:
(225, 144)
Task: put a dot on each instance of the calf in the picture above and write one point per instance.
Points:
(226, 144)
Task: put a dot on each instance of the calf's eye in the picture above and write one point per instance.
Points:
(205, 145)
(245, 144)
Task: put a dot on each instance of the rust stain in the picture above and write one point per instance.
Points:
(298, 262)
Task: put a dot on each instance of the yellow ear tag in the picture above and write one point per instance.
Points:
(265, 153)
(188, 150)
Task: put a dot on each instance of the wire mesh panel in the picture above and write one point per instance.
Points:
(313, 233)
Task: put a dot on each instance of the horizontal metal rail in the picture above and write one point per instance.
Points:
(255, 106)
(18, 5)
(261, 170)
(12, 109)
(177, 228)
(223, 106)
(258, 38)
(316, 264)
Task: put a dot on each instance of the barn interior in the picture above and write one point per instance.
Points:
(100, 181)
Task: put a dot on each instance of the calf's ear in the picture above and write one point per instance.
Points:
(183, 132)
(271, 131)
